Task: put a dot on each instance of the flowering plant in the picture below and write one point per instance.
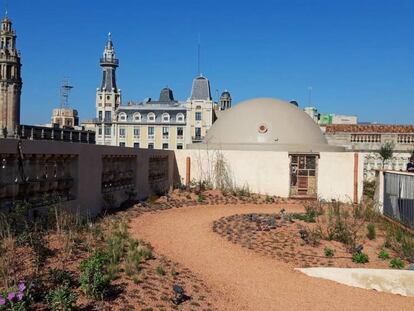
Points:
(16, 299)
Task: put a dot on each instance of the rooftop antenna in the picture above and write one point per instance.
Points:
(310, 96)
(64, 93)
(198, 54)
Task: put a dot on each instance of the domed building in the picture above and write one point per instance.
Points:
(272, 147)
(266, 124)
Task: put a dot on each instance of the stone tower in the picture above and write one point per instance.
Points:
(225, 100)
(10, 80)
(108, 96)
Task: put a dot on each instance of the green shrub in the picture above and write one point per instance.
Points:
(407, 247)
(329, 252)
(369, 188)
(93, 279)
(360, 257)
(396, 263)
(61, 298)
(145, 252)
(160, 270)
(371, 231)
(133, 258)
(383, 254)
(303, 217)
(60, 277)
(200, 198)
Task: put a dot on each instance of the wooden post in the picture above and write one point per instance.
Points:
(356, 158)
(188, 171)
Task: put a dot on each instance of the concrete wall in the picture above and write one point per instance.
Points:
(86, 170)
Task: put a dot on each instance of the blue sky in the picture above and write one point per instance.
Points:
(358, 56)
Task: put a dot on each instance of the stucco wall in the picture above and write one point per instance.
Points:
(336, 176)
(263, 172)
(267, 172)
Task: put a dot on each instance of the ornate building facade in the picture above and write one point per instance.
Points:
(165, 123)
(10, 79)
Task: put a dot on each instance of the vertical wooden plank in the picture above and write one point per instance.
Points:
(188, 171)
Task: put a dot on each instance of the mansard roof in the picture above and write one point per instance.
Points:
(201, 89)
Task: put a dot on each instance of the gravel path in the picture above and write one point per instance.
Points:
(241, 279)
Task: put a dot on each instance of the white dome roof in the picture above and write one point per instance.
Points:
(267, 123)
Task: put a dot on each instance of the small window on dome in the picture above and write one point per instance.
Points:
(262, 128)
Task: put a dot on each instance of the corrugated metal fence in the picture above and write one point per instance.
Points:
(399, 197)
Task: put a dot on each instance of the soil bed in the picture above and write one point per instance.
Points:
(268, 235)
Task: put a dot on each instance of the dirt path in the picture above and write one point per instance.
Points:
(241, 279)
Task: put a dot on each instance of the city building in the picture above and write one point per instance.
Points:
(65, 117)
(165, 123)
(330, 118)
(10, 80)
(368, 139)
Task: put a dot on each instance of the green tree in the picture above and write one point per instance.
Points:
(386, 151)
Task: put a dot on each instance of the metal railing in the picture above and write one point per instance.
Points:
(399, 197)
(108, 60)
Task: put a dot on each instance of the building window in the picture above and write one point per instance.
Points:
(150, 146)
(180, 117)
(137, 117)
(99, 130)
(164, 146)
(122, 144)
(150, 132)
(198, 116)
(165, 132)
(179, 146)
(108, 116)
(151, 117)
(198, 132)
(165, 117)
(136, 145)
(136, 132)
(121, 132)
(180, 132)
(107, 131)
(108, 97)
(122, 117)
(100, 116)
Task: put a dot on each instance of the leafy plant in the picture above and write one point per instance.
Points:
(396, 263)
(303, 217)
(173, 272)
(371, 231)
(386, 152)
(383, 254)
(200, 198)
(60, 277)
(369, 188)
(61, 298)
(16, 299)
(160, 270)
(93, 279)
(360, 257)
(329, 252)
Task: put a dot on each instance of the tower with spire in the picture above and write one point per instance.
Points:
(10, 79)
(108, 96)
